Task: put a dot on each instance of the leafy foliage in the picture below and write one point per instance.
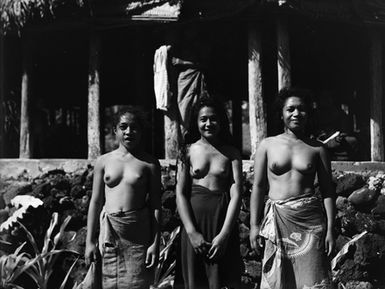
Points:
(16, 13)
(40, 265)
(164, 270)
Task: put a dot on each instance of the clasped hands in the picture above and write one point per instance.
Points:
(214, 250)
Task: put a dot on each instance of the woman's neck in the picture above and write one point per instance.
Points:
(127, 150)
(294, 134)
(213, 142)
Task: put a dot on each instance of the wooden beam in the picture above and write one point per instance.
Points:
(25, 146)
(93, 128)
(376, 97)
(171, 135)
(283, 53)
(2, 96)
(257, 107)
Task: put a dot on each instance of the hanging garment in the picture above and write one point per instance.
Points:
(162, 89)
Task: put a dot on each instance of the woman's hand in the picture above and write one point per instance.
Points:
(255, 240)
(91, 254)
(199, 244)
(218, 247)
(152, 256)
(329, 242)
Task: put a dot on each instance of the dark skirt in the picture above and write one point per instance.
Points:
(209, 209)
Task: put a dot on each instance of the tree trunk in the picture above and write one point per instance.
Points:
(257, 107)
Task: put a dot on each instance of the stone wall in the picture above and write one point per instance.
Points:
(66, 188)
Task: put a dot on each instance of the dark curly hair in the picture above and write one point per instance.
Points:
(304, 94)
(193, 133)
(138, 113)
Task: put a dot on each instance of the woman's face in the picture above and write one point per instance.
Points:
(128, 131)
(294, 114)
(208, 123)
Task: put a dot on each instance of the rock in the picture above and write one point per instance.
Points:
(341, 241)
(244, 217)
(166, 216)
(381, 227)
(77, 191)
(370, 248)
(358, 285)
(78, 243)
(379, 209)
(15, 189)
(60, 182)
(169, 200)
(347, 183)
(253, 269)
(246, 281)
(365, 222)
(244, 250)
(41, 190)
(243, 233)
(363, 198)
(342, 203)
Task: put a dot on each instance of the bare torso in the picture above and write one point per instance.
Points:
(291, 166)
(126, 178)
(210, 167)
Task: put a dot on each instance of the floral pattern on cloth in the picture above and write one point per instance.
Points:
(294, 256)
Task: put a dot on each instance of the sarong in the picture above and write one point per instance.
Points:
(123, 242)
(294, 232)
(209, 209)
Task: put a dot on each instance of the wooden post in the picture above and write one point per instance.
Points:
(93, 128)
(2, 96)
(283, 53)
(376, 135)
(257, 107)
(25, 148)
(171, 135)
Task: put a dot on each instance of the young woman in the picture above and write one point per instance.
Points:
(208, 199)
(297, 228)
(126, 198)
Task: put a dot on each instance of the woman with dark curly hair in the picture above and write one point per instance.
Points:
(126, 200)
(208, 200)
(298, 224)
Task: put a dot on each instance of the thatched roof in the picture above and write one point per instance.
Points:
(15, 14)
(361, 11)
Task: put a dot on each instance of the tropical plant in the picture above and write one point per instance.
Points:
(164, 271)
(41, 270)
(40, 265)
(11, 267)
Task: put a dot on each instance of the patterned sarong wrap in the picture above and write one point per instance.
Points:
(294, 232)
(123, 242)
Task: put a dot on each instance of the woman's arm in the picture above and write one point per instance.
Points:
(184, 208)
(328, 195)
(219, 243)
(257, 197)
(155, 207)
(96, 203)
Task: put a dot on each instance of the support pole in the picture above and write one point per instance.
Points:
(283, 53)
(25, 148)
(2, 96)
(93, 125)
(171, 135)
(376, 134)
(257, 107)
